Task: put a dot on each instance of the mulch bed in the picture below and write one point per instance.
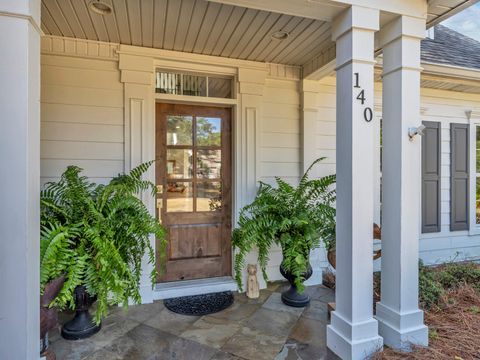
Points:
(454, 329)
(454, 326)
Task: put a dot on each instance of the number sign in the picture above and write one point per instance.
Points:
(367, 112)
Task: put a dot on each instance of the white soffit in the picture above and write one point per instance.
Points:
(440, 10)
(201, 27)
(218, 27)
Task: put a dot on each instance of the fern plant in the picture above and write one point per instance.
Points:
(292, 217)
(97, 235)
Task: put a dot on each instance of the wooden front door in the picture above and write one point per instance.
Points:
(193, 174)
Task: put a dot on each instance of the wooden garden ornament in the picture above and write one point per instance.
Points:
(253, 289)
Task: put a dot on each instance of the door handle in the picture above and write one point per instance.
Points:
(160, 189)
(159, 207)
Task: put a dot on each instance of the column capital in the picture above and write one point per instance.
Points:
(355, 17)
(251, 81)
(402, 26)
(26, 9)
(136, 69)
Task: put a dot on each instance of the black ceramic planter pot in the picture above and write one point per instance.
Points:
(292, 297)
(82, 325)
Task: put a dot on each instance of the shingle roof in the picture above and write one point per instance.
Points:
(451, 48)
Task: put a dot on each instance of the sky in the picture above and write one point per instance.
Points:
(466, 22)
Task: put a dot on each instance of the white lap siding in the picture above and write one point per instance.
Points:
(443, 106)
(280, 152)
(81, 117)
(281, 147)
(448, 107)
(82, 123)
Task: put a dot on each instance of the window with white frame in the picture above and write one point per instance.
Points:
(179, 83)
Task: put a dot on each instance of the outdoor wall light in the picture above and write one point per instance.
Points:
(413, 131)
(100, 7)
(280, 35)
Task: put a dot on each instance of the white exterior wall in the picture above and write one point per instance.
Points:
(82, 123)
(436, 105)
(82, 117)
(280, 151)
(448, 107)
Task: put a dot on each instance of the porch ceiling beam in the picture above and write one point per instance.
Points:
(321, 65)
(320, 10)
(326, 10)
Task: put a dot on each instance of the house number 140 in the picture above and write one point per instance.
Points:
(367, 113)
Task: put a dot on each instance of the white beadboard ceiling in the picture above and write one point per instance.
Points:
(196, 26)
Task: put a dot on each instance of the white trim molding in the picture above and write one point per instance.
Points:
(193, 287)
(473, 117)
(279, 71)
(57, 45)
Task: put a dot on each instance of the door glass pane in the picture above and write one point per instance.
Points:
(179, 163)
(209, 196)
(179, 130)
(209, 131)
(179, 196)
(209, 164)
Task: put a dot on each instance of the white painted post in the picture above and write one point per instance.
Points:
(353, 333)
(20, 179)
(137, 74)
(246, 125)
(400, 320)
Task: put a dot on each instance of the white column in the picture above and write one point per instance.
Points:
(20, 179)
(137, 74)
(400, 320)
(353, 333)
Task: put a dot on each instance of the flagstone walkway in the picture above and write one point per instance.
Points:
(261, 329)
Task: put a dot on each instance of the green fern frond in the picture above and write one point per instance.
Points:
(97, 236)
(295, 218)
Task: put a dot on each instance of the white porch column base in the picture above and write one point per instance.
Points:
(400, 320)
(401, 330)
(340, 335)
(353, 332)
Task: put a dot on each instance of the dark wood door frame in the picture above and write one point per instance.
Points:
(199, 241)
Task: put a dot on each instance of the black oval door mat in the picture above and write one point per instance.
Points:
(199, 305)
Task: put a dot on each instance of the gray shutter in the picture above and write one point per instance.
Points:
(459, 185)
(431, 177)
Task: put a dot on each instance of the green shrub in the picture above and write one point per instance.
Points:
(455, 274)
(430, 290)
(435, 282)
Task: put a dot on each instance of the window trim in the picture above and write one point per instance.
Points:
(474, 122)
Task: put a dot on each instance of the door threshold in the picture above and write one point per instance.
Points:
(193, 287)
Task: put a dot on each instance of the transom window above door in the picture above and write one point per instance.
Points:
(177, 83)
(194, 163)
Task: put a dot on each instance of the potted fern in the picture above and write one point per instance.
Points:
(95, 236)
(294, 219)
